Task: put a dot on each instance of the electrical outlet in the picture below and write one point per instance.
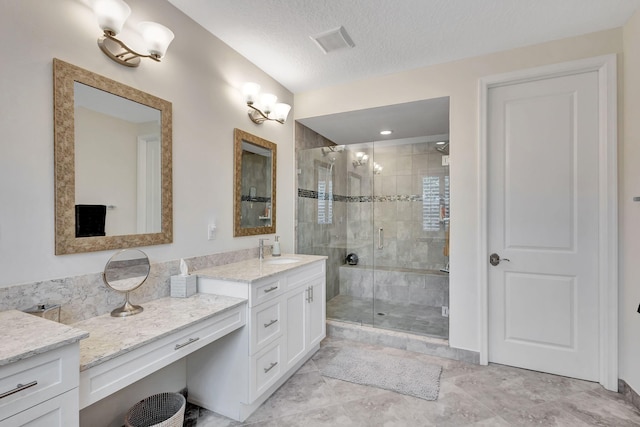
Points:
(445, 311)
(211, 232)
(445, 160)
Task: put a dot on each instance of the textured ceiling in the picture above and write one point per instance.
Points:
(390, 35)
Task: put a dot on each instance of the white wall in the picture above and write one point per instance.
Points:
(629, 213)
(459, 81)
(200, 75)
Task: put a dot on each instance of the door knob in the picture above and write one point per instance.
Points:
(494, 259)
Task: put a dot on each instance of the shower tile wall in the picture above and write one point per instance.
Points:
(398, 207)
(313, 238)
(395, 194)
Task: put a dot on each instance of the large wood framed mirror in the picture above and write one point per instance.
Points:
(113, 171)
(254, 202)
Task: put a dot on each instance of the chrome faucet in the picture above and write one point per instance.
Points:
(261, 248)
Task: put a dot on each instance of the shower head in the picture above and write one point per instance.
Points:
(332, 149)
(444, 149)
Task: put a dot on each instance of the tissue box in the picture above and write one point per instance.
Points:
(183, 286)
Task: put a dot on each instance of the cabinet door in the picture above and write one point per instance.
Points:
(296, 331)
(316, 314)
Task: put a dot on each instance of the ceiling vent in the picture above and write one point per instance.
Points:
(332, 40)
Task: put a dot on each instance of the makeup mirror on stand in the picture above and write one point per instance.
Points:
(126, 271)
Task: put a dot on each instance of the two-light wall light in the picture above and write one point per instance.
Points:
(264, 107)
(111, 16)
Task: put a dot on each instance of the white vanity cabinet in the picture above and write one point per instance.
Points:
(306, 325)
(286, 322)
(28, 386)
(39, 372)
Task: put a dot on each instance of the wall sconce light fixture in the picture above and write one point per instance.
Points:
(361, 159)
(111, 16)
(261, 111)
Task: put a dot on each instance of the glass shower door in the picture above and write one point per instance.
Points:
(410, 222)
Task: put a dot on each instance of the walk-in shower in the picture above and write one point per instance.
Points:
(386, 202)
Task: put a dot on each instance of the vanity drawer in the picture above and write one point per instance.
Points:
(265, 290)
(40, 377)
(304, 274)
(60, 411)
(266, 369)
(266, 325)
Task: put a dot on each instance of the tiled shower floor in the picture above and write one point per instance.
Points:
(412, 318)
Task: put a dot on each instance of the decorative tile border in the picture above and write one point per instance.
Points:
(312, 194)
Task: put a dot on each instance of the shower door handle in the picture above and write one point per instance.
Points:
(380, 238)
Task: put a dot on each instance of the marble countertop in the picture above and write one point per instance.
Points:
(24, 335)
(110, 337)
(254, 269)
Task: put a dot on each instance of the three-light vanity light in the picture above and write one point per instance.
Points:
(264, 106)
(111, 16)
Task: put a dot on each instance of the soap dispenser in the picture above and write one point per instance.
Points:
(275, 251)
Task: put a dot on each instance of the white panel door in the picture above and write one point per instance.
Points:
(543, 217)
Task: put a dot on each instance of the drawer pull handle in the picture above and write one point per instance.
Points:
(191, 341)
(18, 388)
(266, 325)
(273, 365)
(271, 289)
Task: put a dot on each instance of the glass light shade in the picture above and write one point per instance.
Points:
(156, 37)
(359, 155)
(111, 14)
(365, 158)
(250, 92)
(282, 111)
(268, 101)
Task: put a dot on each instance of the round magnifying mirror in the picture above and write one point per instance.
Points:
(125, 272)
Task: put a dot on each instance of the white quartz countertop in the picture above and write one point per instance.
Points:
(110, 337)
(254, 269)
(24, 335)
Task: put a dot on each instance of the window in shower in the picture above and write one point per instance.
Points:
(431, 203)
(435, 203)
(325, 195)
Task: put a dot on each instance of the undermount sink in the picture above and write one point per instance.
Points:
(281, 260)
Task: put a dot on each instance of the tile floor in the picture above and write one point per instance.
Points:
(413, 318)
(470, 395)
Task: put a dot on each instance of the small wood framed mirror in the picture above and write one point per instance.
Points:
(254, 188)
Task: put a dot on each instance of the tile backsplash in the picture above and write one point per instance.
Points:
(85, 296)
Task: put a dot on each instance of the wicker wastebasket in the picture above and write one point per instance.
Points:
(159, 410)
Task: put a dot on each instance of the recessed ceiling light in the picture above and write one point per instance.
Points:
(440, 142)
(386, 132)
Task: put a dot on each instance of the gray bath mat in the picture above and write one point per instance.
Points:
(403, 375)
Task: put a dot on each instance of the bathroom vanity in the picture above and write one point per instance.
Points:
(121, 351)
(285, 324)
(249, 328)
(38, 371)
